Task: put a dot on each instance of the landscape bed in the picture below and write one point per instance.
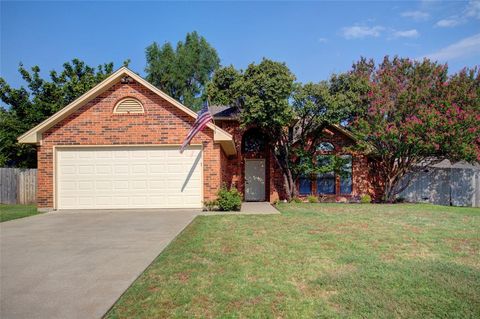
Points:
(317, 260)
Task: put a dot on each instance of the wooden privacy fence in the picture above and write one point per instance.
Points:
(18, 186)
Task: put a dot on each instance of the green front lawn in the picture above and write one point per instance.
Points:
(317, 261)
(9, 212)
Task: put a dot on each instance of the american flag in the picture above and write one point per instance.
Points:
(202, 120)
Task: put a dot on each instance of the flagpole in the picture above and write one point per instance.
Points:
(213, 118)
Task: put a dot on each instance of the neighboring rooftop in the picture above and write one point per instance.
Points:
(224, 112)
(461, 164)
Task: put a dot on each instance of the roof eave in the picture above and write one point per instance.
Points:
(34, 135)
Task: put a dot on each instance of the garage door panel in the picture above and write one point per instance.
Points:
(68, 170)
(84, 185)
(139, 154)
(86, 170)
(103, 154)
(157, 169)
(139, 185)
(128, 177)
(121, 169)
(84, 201)
(120, 185)
(103, 185)
(157, 185)
(104, 200)
(103, 169)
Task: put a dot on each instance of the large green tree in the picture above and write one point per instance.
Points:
(417, 114)
(27, 106)
(184, 71)
(292, 116)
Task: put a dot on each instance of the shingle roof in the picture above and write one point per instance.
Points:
(224, 112)
(461, 164)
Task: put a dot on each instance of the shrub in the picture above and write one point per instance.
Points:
(365, 199)
(323, 199)
(312, 199)
(296, 200)
(210, 205)
(229, 200)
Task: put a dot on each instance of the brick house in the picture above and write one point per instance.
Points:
(117, 146)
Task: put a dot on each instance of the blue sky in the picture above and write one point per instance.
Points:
(315, 39)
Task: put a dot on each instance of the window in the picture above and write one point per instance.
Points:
(346, 175)
(305, 186)
(128, 106)
(325, 181)
(325, 147)
(253, 141)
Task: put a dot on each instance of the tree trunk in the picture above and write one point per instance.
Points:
(289, 184)
(388, 195)
(288, 180)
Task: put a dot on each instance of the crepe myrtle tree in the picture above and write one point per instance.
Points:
(290, 115)
(417, 115)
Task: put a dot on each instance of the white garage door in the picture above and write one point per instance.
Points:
(128, 177)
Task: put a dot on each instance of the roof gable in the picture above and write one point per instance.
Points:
(34, 135)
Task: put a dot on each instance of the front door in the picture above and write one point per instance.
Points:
(255, 180)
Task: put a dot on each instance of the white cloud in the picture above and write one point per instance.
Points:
(416, 15)
(322, 40)
(448, 23)
(358, 32)
(413, 33)
(473, 9)
(463, 48)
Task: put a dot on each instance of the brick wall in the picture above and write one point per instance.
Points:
(233, 166)
(95, 124)
(233, 171)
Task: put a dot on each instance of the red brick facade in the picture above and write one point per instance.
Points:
(96, 124)
(233, 169)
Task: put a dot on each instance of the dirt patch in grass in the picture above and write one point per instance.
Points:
(183, 277)
(250, 302)
(469, 246)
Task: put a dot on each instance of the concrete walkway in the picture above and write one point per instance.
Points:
(250, 208)
(77, 264)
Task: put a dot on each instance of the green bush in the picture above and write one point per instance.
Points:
(210, 205)
(296, 200)
(365, 199)
(312, 199)
(229, 200)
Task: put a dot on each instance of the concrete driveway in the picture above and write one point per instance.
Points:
(77, 264)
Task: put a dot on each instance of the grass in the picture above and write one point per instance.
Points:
(317, 261)
(9, 212)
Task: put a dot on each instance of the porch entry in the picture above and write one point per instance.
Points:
(255, 180)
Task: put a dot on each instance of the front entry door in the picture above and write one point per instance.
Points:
(255, 180)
